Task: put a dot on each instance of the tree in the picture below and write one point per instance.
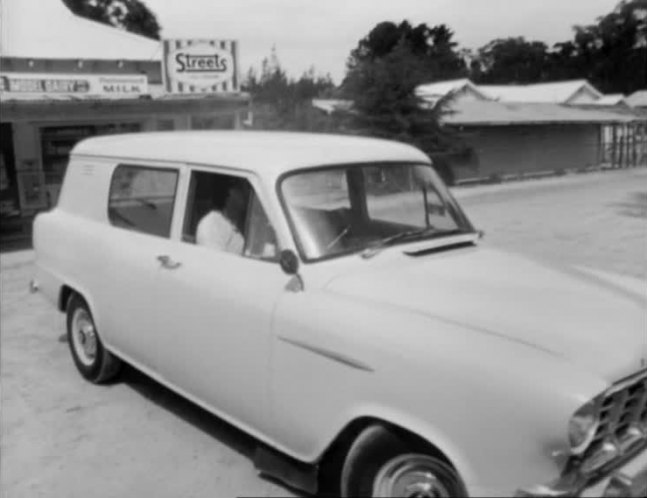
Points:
(433, 47)
(285, 103)
(511, 60)
(613, 53)
(564, 62)
(272, 85)
(385, 103)
(131, 15)
(383, 72)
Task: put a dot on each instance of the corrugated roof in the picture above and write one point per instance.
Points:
(506, 113)
(637, 99)
(48, 29)
(443, 88)
(558, 92)
(612, 99)
(489, 112)
(32, 110)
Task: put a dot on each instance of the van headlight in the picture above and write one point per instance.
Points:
(582, 426)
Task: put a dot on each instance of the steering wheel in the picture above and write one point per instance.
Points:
(339, 236)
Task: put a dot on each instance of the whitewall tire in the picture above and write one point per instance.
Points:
(92, 360)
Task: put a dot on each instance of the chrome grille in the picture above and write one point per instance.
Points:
(623, 422)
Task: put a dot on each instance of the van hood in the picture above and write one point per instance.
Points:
(597, 323)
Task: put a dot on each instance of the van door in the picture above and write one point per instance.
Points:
(219, 299)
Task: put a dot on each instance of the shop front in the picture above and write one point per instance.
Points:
(64, 78)
(38, 135)
(56, 143)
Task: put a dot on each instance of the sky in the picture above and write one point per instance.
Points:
(321, 33)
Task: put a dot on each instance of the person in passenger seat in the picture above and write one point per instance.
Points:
(222, 229)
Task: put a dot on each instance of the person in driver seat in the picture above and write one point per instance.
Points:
(221, 229)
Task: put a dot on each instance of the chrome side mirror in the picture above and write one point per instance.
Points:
(289, 262)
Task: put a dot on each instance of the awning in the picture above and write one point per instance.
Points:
(89, 109)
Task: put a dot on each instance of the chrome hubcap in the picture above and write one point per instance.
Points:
(84, 337)
(410, 476)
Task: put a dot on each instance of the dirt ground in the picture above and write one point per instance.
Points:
(63, 437)
(596, 219)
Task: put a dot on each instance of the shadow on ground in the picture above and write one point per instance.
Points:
(635, 206)
(210, 424)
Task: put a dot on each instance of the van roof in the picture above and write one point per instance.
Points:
(266, 153)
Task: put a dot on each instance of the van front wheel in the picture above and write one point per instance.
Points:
(382, 464)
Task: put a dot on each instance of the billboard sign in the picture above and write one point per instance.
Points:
(107, 85)
(200, 66)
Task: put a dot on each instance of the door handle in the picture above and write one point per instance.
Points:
(167, 262)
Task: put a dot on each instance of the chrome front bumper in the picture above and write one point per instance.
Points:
(628, 480)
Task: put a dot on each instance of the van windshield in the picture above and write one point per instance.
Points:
(350, 208)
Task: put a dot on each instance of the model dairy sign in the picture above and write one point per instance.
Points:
(34, 84)
(200, 66)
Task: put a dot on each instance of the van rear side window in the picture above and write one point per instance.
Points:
(142, 199)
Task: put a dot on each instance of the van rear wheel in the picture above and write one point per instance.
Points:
(92, 360)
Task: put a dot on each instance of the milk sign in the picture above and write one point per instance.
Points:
(200, 66)
(79, 85)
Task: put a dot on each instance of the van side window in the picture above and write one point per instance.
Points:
(224, 214)
(142, 199)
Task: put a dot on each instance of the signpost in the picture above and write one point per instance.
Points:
(200, 66)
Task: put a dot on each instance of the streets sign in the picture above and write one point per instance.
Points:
(200, 66)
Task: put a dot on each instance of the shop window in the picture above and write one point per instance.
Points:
(57, 143)
(8, 178)
(31, 186)
(142, 199)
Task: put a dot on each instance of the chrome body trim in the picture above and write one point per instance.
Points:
(332, 355)
(624, 383)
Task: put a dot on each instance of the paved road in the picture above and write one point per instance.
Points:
(62, 437)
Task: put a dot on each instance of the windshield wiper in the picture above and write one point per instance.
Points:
(421, 233)
(146, 202)
(116, 214)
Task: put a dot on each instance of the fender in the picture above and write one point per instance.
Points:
(306, 474)
(421, 428)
